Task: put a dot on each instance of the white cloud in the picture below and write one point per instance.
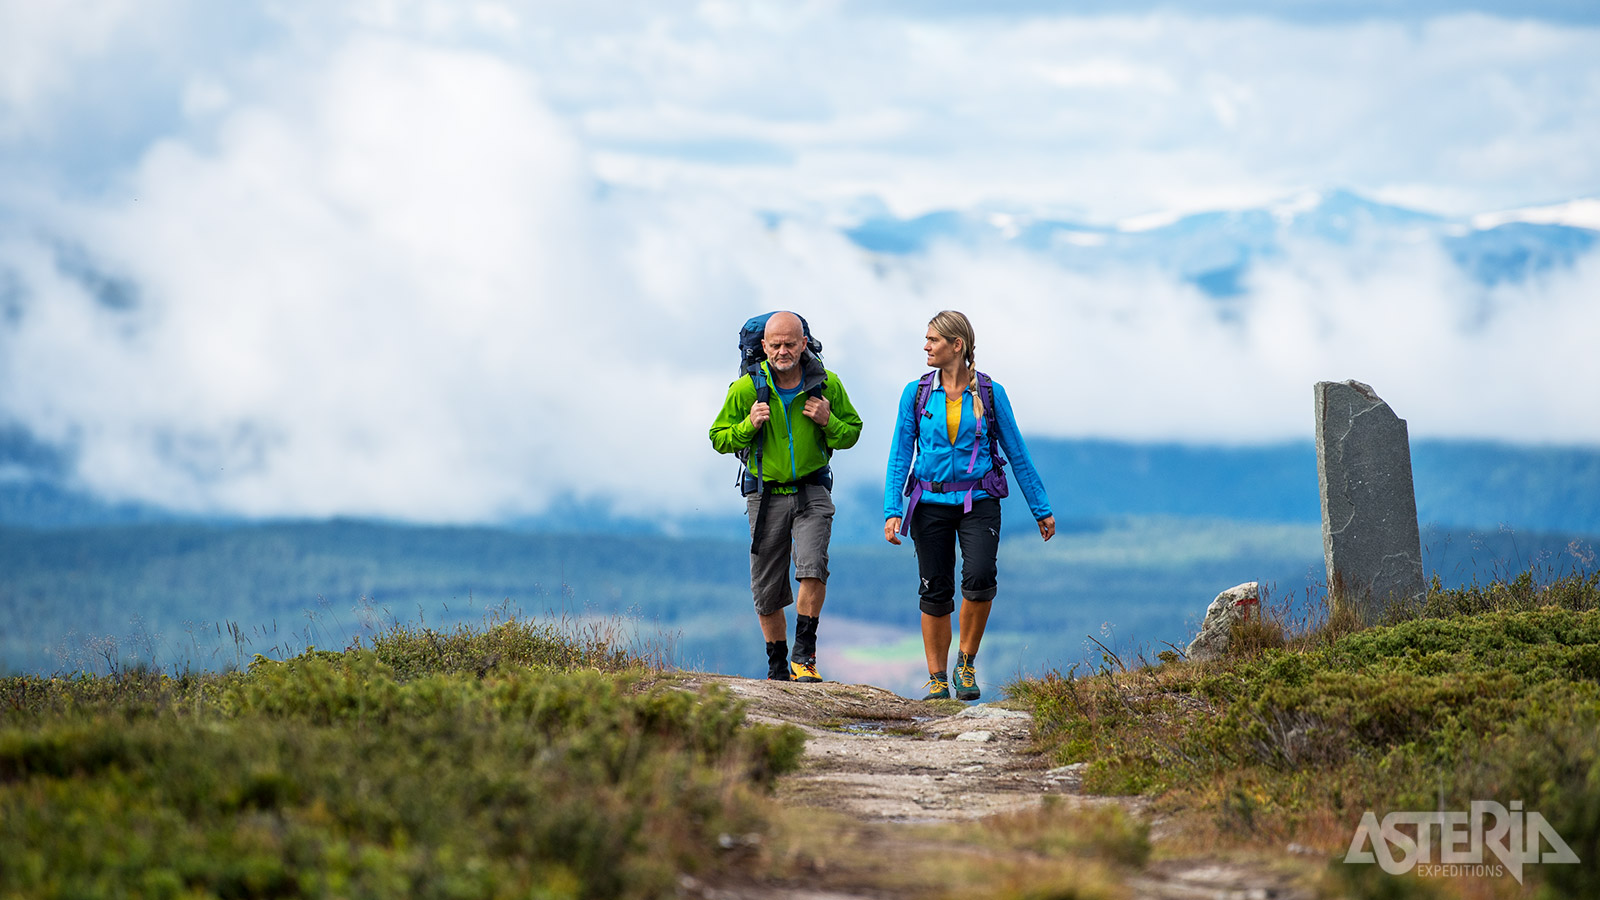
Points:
(1112, 115)
(1584, 213)
(447, 261)
(42, 43)
(352, 301)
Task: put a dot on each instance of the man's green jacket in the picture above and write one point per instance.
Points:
(792, 445)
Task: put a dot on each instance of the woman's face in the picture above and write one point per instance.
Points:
(941, 351)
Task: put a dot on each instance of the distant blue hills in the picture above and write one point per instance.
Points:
(1460, 485)
(1215, 251)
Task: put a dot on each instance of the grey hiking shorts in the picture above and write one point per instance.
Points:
(797, 525)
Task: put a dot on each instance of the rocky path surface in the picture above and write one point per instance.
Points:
(885, 765)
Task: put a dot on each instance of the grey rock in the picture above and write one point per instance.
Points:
(1369, 506)
(975, 736)
(1233, 604)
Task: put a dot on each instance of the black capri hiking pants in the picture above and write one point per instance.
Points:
(935, 529)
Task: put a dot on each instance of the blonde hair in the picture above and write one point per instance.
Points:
(954, 326)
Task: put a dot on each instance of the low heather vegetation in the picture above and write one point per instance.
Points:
(536, 759)
(508, 762)
(1489, 692)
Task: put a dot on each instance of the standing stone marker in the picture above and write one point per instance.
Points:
(1369, 507)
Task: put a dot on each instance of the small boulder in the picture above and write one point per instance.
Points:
(1232, 605)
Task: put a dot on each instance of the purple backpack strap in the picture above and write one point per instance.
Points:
(986, 388)
(924, 390)
(978, 432)
(913, 487)
(977, 441)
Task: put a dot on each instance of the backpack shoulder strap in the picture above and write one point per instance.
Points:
(924, 390)
(763, 395)
(986, 390)
(759, 379)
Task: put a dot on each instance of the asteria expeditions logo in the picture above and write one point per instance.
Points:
(1516, 839)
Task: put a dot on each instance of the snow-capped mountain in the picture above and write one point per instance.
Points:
(1215, 250)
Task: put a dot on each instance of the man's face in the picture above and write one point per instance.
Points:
(784, 342)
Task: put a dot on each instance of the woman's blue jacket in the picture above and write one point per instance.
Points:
(937, 459)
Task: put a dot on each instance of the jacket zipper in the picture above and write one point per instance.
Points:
(788, 424)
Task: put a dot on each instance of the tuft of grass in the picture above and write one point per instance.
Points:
(603, 646)
(1573, 591)
(405, 769)
(1484, 692)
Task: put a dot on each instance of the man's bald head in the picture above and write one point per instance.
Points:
(784, 323)
(784, 340)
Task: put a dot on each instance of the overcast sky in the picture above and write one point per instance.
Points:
(448, 260)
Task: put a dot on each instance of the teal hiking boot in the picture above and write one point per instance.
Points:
(938, 687)
(967, 679)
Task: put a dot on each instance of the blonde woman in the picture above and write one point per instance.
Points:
(946, 477)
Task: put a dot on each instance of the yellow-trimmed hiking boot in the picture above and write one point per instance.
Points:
(804, 671)
(938, 687)
(966, 681)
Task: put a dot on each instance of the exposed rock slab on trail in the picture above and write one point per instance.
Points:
(883, 758)
(891, 763)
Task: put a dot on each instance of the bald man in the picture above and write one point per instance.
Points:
(809, 416)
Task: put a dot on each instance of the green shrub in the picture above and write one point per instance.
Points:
(1488, 692)
(379, 772)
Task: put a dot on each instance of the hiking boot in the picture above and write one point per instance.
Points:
(967, 681)
(779, 675)
(804, 670)
(938, 687)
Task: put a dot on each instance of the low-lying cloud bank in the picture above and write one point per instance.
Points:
(395, 285)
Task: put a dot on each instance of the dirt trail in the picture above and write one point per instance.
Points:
(886, 765)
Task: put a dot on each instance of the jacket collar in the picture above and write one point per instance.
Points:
(812, 372)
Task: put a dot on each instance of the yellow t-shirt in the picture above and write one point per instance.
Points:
(952, 416)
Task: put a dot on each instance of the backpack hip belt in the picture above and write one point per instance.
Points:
(939, 487)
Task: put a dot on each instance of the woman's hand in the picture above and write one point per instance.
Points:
(1047, 527)
(891, 530)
